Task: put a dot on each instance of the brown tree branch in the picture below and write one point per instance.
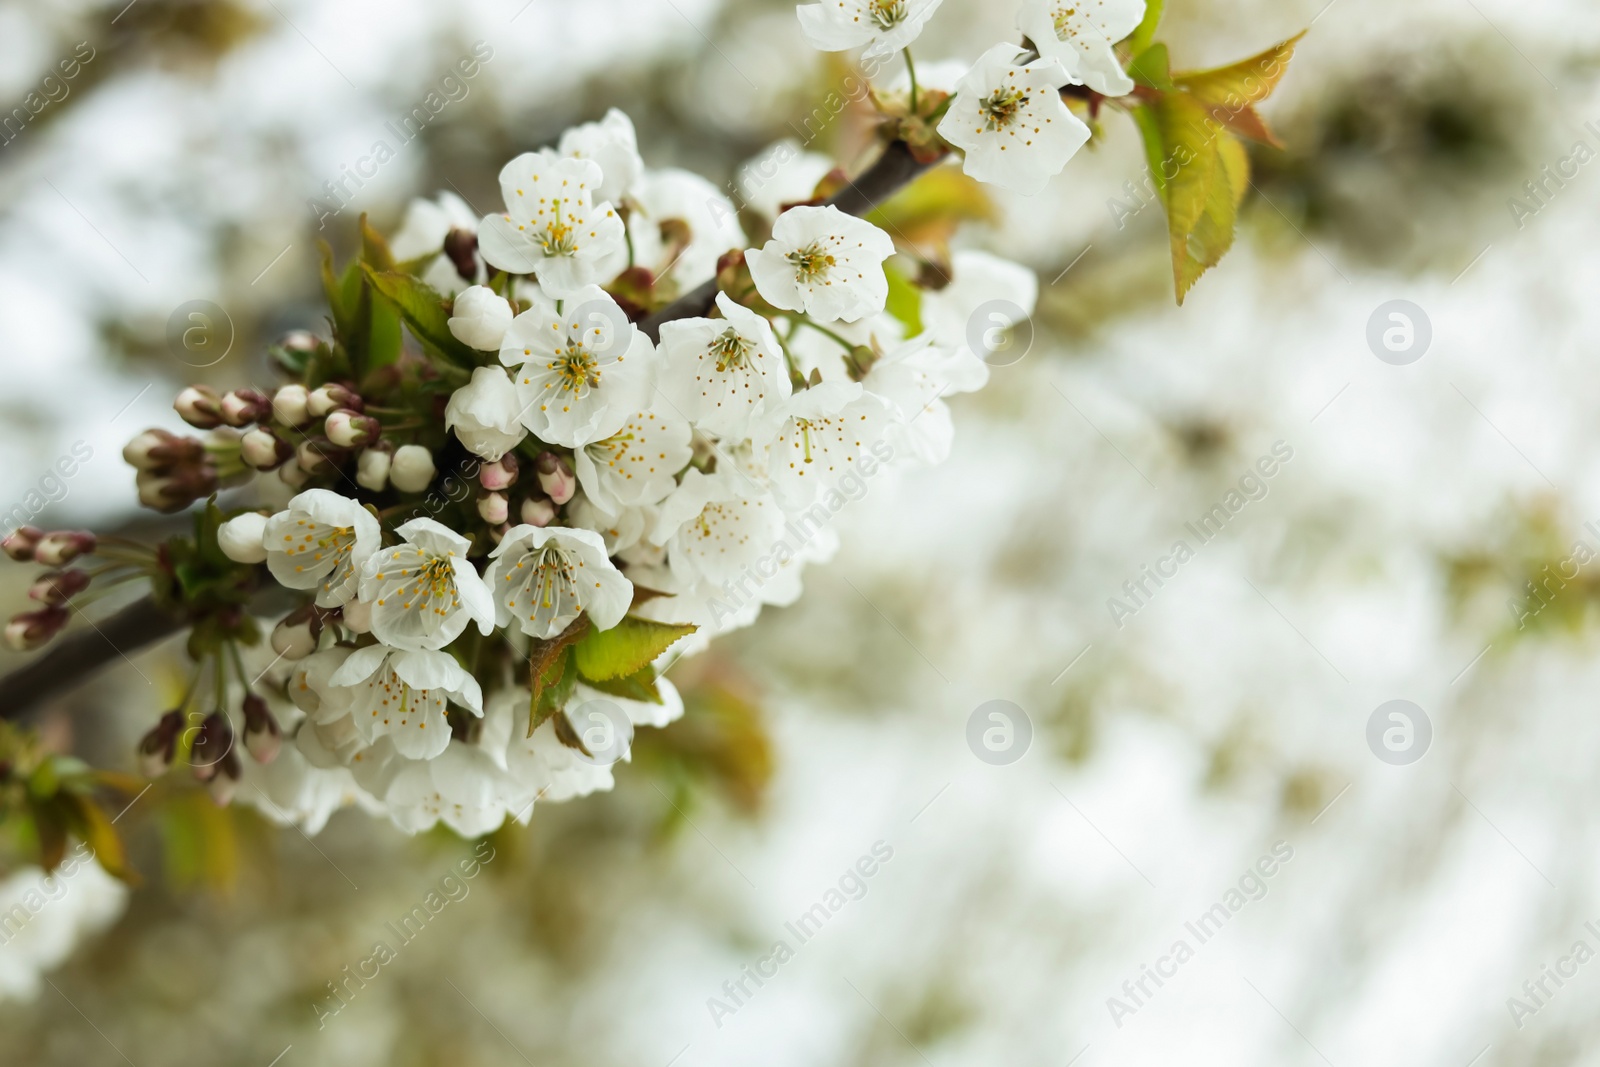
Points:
(78, 656)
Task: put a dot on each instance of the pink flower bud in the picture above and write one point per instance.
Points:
(34, 629)
(173, 492)
(555, 477)
(289, 405)
(213, 744)
(358, 616)
(200, 407)
(317, 455)
(262, 737)
(157, 748)
(158, 449)
(61, 547)
(264, 450)
(494, 508)
(331, 397)
(240, 538)
(538, 510)
(294, 640)
(245, 406)
(20, 543)
(225, 782)
(350, 429)
(58, 587)
(499, 475)
(292, 476)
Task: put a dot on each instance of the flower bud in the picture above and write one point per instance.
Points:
(155, 450)
(299, 341)
(262, 736)
(538, 510)
(223, 784)
(412, 469)
(264, 450)
(358, 616)
(372, 469)
(58, 587)
(170, 493)
(213, 744)
(292, 476)
(555, 477)
(21, 542)
(317, 455)
(479, 318)
(158, 747)
(289, 405)
(200, 407)
(296, 637)
(350, 429)
(61, 547)
(245, 406)
(499, 475)
(327, 398)
(34, 629)
(462, 246)
(240, 538)
(494, 508)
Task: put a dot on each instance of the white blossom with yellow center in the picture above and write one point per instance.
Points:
(320, 541)
(1081, 35)
(424, 592)
(816, 440)
(1010, 121)
(542, 578)
(823, 262)
(714, 526)
(403, 695)
(884, 26)
(580, 372)
(722, 373)
(552, 227)
(638, 464)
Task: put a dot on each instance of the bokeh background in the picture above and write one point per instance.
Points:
(1228, 716)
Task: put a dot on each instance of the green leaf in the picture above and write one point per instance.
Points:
(626, 648)
(640, 685)
(426, 313)
(1230, 93)
(905, 300)
(551, 674)
(1146, 32)
(1152, 68)
(90, 823)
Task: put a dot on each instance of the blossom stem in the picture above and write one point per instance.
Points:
(911, 72)
(802, 321)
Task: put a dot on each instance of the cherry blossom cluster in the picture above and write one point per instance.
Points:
(503, 532)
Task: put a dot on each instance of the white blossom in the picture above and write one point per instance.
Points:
(424, 592)
(638, 464)
(823, 262)
(1081, 35)
(884, 26)
(321, 542)
(914, 377)
(486, 414)
(612, 144)
(479, 318)
(681, 260)
(580, 372)
(1011, 122)
(722, 373)
(552, 226)
(403, 694)
(542, 578)
(817, 438)
(714, 525)
(986, 295)
(783, 173)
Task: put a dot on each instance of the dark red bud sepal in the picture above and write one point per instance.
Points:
(58, 587)
(262, 736)
(21, 542)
